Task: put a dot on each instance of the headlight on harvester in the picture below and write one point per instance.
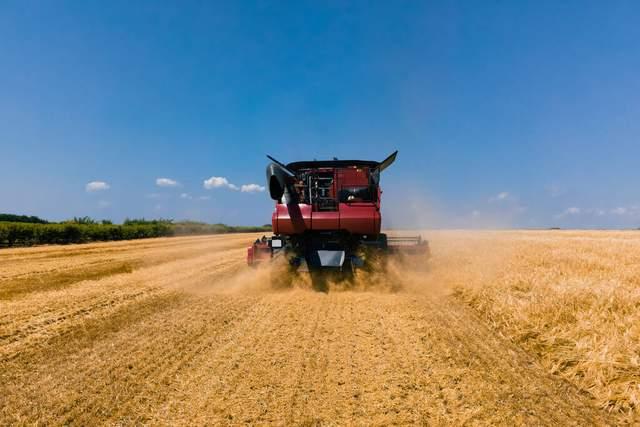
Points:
(276, 243)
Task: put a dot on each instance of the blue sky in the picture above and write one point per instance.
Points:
(507, 114)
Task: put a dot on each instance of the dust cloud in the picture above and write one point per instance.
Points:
(383, 274)
(418, 209)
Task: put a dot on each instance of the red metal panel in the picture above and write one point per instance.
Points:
(353, 177)
(377, 220)
(360, 218)
(325, 220)
(258, 252)
(294, 222)
(250, 255)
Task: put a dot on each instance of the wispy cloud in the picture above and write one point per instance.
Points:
(619, 211)
(94, 186)
(167, 182)
(219, 182)
(204, 198)
(555, 190)
(102, 204)
(572, 211)
(575, 211)
(630, 211)
(251, 188)
(186, 196)
(505, 203)
(503, 196)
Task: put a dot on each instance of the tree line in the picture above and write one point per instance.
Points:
(21, 230)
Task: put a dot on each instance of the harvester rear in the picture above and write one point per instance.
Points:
(327, 217)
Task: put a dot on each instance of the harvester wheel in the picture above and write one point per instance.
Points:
(348, 272)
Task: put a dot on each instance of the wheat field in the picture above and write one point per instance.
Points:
(571, 298)
(502, 328)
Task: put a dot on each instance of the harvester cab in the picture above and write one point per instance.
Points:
(327, 215)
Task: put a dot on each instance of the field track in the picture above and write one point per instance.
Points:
(179, 331)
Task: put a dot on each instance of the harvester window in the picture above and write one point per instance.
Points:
(357, 194)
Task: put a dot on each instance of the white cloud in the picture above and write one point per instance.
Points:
(632, 211)
(619, 211)
(219, 182)
(251, 188)
(97, 186)
(166, 182)
(186, 196)
(222, 182)
(569, 211)
(500, 197)
(204, 198)
(573, 211)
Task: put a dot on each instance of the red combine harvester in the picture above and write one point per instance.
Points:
(327, 216)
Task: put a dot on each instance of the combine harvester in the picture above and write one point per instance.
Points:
(327, 218)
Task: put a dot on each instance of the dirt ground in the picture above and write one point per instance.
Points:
(180, 331)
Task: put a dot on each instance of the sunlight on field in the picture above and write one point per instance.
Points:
(513, 327)
(570, 298)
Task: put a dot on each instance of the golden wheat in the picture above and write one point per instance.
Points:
(570, 298)
(187, 334)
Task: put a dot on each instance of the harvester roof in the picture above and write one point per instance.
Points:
(317, 164)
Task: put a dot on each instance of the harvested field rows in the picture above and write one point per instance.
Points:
(186, 334)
